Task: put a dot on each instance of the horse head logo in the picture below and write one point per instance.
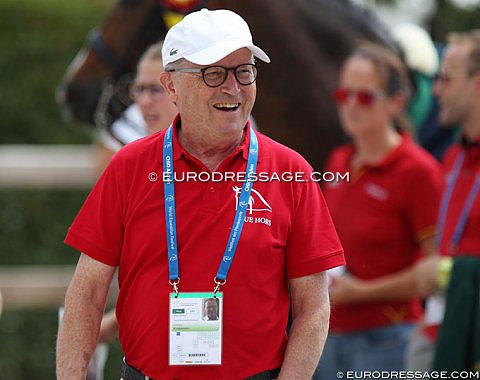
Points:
(262, 203)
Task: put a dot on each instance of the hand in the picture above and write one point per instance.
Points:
(346, 289)
(425, 271)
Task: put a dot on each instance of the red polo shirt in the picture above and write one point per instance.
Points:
(469, 244)
(381, 215)
(288, 233)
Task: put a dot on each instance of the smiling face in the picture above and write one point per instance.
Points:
(222, 110)
(157, 109)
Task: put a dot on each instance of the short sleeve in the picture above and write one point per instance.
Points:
(313, 245)
(424, 200)
(97, 230)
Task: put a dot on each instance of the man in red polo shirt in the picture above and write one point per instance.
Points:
(173, 207)
(458, 90)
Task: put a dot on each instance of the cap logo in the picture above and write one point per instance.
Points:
(173, 51)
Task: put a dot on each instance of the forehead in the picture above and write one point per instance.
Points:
(359, 71)
(456, 57)
(149, 69)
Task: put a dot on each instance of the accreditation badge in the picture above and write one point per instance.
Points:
(195, 330)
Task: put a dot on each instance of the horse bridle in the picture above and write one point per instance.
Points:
(96, 43)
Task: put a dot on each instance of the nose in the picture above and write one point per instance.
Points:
(231, 85)
(436, 87)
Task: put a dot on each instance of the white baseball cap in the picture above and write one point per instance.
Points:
(205, 37)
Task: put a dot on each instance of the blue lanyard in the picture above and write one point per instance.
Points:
(467, 207)
(171, 225)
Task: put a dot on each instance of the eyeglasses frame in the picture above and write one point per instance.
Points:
(226, 69)
(379, 94)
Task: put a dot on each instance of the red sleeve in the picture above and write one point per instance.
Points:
(424, 200)
(313, 245)
(97, 230)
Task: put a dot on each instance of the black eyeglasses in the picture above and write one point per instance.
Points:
(215, 76)
(365, 98)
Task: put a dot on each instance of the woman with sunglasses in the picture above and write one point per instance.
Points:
(385, 217)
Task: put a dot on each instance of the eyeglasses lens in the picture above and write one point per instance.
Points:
(215, 76)
(340, 95)
(154, 90)
(363, 97)
(443, 78)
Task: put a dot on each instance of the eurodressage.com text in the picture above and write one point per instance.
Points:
(256, 177)
(408, 375)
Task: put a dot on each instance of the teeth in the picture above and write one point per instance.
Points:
(227, 105)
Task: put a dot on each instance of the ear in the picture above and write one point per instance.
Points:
(166, 80)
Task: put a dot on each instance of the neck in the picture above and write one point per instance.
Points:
(210, 147)
(371, 149)
(471, 131)
(470, 124)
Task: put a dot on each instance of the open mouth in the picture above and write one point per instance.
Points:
(227, 107)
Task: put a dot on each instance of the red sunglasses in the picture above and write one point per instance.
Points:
(363, 97)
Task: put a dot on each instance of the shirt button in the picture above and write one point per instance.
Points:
(211, 189)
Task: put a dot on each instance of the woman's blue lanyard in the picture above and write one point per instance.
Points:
(170, 216)
(467, 207)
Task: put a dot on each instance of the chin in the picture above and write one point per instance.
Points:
(353, 130)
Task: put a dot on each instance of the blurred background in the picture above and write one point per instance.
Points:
(38, 39)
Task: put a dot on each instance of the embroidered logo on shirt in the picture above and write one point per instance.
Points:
(256, 203)
(376, 192)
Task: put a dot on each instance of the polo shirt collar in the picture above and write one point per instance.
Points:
(179, 151)
(391, 158)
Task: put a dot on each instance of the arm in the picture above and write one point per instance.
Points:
(398, 286)
(84, 306)
(311, 313)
